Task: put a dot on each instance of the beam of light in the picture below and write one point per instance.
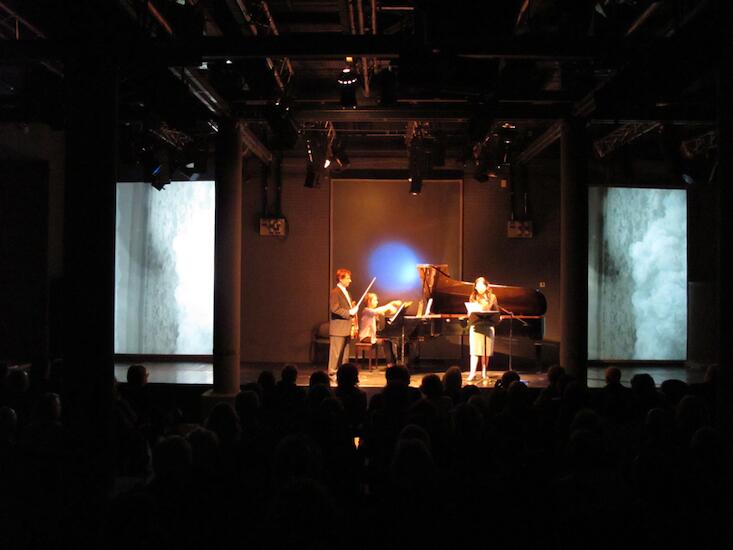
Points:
(393, 264)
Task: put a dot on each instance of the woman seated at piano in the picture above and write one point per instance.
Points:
(373, 316)
(481, 341)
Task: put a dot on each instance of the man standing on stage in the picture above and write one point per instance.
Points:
(342, 313)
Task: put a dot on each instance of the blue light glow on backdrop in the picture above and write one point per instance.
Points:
(393, 264)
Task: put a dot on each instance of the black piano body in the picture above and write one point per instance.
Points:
(522, 315)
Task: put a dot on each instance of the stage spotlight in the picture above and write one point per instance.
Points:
(347, 85)
(340, 157)
(282, 125)
(417, 165)
(156, 167)
(311, 178)
(415, 184)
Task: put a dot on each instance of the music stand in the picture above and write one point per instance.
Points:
(511, 329)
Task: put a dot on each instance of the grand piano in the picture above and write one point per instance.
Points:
(521, 318)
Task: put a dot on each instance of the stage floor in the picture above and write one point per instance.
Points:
(202, 374)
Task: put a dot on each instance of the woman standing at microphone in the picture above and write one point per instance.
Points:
(481, 342)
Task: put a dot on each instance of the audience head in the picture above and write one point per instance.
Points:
(673, 391)
(266, 380)
(467, 392)
(431, 386)
(17, 381)
(172, 458)
(48, 408)
(555, 375)
(691, 414)
(204, 449)
(586, 420)
(642, 384)
(289, 374)
(8, 423)
(517, 396)
(296, 456)
(452, 380)
(413, 431)
(137, 376)
(412, 465)
(319, 377)
(708, 449)
(223, 421)
(247, 405)
(316, 394)
(584, 449)
(347, 376)
(613, 376)
(711, 374)
(397, 374)
(658, 424)
(507, 378)
(467, 421)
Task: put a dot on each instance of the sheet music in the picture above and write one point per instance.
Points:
(397, 313)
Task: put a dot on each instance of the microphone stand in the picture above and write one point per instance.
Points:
(511, 326)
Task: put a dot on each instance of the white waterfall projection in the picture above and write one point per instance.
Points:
(164, 273)
(637, 276)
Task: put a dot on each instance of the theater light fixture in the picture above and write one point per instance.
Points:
(347, 85)
(311, 177)
(415, 184)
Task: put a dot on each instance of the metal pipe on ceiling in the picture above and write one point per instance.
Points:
(364, 62)
(15, 30)
(27, 24)
(253, 29)
(159, 18)
(276, 32)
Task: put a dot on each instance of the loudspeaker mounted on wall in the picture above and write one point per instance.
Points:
(519, 229)
(273, 227)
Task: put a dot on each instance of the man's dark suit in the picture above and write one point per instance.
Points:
(339, 330)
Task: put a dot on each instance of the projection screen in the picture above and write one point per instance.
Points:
(164, 268)
(637, 274)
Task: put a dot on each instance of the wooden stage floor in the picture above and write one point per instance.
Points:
(199, 373)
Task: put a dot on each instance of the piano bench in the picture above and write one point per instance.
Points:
(368, 350)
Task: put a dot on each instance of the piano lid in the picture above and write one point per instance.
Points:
(449, 295)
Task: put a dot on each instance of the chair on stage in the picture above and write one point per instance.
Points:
(320, 344)
(369, 351)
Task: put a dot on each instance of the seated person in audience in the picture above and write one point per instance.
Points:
(371, 317)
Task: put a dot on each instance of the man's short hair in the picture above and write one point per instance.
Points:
(137, 375)
(342, 272)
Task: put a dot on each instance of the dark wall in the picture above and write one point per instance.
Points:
(285, 282)
(24, 262)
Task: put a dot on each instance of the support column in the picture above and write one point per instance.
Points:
(89, 259)
(227, 262)
(724, 194)
(574, 249)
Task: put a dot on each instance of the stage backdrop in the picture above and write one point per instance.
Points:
(380, 230)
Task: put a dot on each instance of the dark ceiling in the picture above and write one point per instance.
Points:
(454, 72)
